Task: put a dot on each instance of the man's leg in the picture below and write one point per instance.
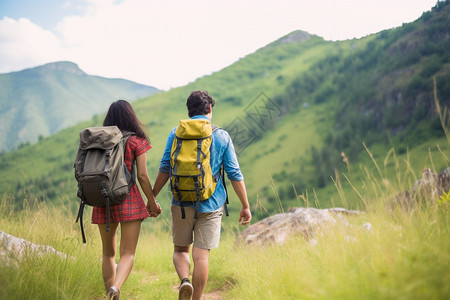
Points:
(201, 271)
(181, 261)
(206, 237)
(182, 265)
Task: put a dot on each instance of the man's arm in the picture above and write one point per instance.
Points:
(164, 168)
(239, 188)
(160, 181)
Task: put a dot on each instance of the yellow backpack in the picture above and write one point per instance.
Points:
(191, 178)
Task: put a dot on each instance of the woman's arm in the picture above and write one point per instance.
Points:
(144, 181)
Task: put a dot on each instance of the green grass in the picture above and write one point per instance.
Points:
(433, 154)
(404, 256)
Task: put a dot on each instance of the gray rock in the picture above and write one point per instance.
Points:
(13, 249)
(299, 220)
(428, 188)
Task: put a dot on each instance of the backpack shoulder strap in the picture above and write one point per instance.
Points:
(125, 136)
(222, 174)
(225, 186)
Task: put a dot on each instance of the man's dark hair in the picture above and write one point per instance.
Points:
(198, 103)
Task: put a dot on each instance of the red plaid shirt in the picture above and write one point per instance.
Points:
(133, 208)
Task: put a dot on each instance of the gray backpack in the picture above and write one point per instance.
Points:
(102, 176)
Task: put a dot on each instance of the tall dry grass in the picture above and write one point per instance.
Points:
(405, 255)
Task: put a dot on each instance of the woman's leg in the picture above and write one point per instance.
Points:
(128, 243)
(109, 246)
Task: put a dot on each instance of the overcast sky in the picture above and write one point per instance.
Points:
(169, 43)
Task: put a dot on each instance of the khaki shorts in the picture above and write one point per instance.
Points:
(203, 231)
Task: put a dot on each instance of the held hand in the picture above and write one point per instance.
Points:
(153, 208)
(245, 216)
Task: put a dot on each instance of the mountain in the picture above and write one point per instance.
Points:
(41, 101)
(294, 108)
(380, 91)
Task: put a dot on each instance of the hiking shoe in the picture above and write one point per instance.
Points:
(113, 293)
(185, 290)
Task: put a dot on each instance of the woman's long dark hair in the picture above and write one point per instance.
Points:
(122, 115)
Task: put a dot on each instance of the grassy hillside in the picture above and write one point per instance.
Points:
(381, 94)
(292, 108)
(41, 101)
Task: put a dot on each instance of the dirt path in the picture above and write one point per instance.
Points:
(213, 295)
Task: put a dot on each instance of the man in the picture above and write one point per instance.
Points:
(203, 231)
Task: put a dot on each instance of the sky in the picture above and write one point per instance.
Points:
(169, 43)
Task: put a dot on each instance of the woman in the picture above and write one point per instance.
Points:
(133, 210)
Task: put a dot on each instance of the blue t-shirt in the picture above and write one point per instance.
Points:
(222, 152)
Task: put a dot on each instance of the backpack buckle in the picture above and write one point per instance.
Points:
(103, 190)
(179, 143)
